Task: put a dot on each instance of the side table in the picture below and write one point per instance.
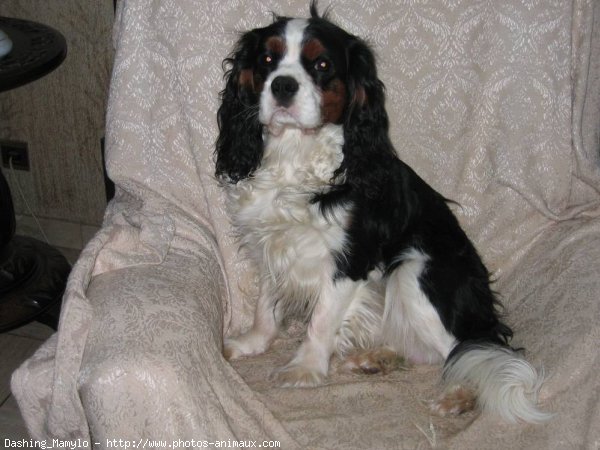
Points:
(33, 274)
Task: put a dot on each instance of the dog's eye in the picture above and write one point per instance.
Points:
(266, 59)
(322, 65)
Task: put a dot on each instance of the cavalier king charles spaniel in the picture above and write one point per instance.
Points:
(347, 236)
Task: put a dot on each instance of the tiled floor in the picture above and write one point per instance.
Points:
(15, 347)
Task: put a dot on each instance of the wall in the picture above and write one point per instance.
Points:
(61, 117)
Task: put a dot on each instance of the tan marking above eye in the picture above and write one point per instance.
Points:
(275, 45)
(312, 49)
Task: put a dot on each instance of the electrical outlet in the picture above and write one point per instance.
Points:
(17, 151)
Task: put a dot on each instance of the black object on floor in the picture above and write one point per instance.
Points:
(33, 275)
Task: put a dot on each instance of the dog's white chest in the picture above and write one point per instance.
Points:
(272, 211)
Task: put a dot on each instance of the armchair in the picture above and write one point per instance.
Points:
(495, 104)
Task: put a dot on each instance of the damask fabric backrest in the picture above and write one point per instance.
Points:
(479, 95)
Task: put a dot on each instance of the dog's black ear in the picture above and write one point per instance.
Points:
(366, 126)
(239, 147)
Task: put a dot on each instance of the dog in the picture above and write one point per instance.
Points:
(347, 236)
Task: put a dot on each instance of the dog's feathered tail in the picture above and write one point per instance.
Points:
(504, 382)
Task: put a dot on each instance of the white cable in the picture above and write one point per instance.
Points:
(16, 181)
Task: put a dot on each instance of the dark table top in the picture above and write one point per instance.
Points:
(37, 50)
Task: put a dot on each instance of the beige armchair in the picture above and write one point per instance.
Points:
(495, 104)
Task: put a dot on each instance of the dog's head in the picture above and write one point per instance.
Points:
(299, 73)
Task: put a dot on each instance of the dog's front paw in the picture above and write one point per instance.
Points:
(231, 349)
(245, 345)
(295, 375)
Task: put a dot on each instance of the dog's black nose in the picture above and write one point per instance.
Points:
(284, 88)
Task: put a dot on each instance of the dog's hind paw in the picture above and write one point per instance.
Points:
(453, 402)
